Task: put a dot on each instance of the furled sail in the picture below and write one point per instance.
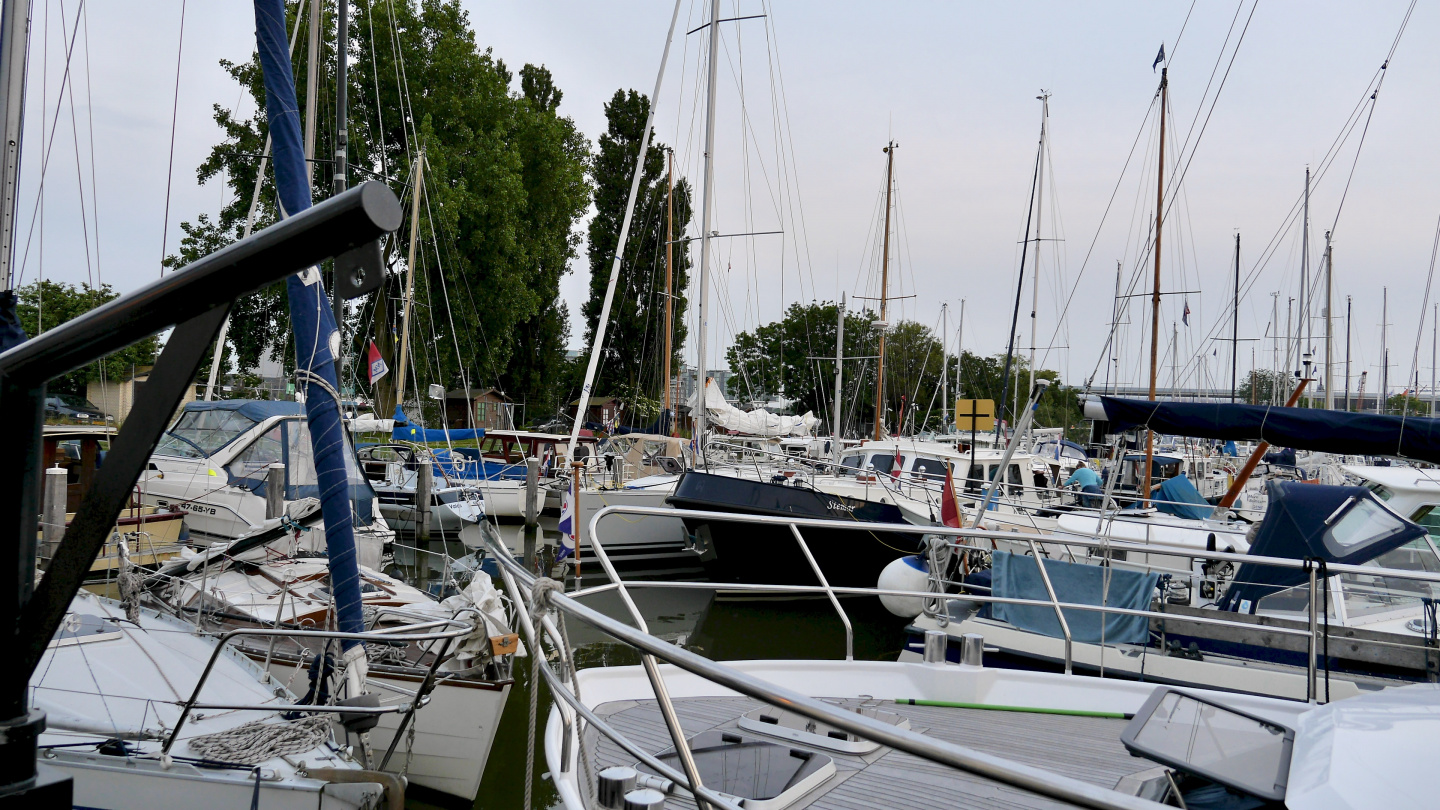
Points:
(316, 339)
(758, 422)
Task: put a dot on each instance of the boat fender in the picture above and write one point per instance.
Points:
(904, 574)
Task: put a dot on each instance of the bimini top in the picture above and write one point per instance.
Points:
(257, 409)
(1344, 525)
(1359, 434)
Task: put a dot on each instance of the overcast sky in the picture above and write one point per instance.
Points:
(807, 97)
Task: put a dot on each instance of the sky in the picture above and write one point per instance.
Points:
(806, 98)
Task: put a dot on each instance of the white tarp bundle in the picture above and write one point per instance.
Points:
(758, 422)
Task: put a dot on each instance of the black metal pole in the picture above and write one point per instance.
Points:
(342, 155)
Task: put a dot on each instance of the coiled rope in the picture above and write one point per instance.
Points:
(261, 740)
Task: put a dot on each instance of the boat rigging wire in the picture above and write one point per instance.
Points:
(174, 118)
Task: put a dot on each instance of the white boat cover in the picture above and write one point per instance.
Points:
(758, 422)
(367, 423)
(1371, 751)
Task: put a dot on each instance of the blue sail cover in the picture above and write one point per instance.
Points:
(1361, 434)
(404, 431)
(1180, 498)
(313, 324)
(1315, 521)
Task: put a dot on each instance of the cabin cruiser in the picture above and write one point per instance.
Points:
(267, 582)
(216, 464)
(113, 684)
(1379, 628)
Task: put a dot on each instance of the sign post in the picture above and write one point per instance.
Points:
(979, 414)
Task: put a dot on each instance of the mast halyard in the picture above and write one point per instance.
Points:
(1155, 296)
(1044, 98)
(884, 298)
(669, 282)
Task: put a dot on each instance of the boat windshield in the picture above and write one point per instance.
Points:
(198, 434)
(1372, 594)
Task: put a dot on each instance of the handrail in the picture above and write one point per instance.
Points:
(1054, 600)
(986, 534)
(1024, 777)
(220, 644)
(844, 619)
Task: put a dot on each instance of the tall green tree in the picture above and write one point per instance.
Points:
(45, 305)
(631, 361)
(504, 183)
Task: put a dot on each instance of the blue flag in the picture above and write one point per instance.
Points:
(1159, 57)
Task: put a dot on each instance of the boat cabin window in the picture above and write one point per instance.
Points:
(930, 468)
(268, 449)
(882, 462)
(851, 464)
(198, 434)
(1364, 522)
(1380, 491)
(1429, 517)
(1372, 594)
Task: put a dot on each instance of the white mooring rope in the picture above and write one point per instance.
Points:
(261, 740)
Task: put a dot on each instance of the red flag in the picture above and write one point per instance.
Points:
(377, 365)
(949, 506)
(897, 464)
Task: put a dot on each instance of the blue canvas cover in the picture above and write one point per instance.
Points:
(1308, 521)
(1180, 498)
(1360, 434)
(404, 431)
(311, 321)
(1017, 577)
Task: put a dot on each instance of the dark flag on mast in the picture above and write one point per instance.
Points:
(1159, 57)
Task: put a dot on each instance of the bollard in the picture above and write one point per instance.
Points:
(532, 491)
(935, 641)
(424, 481)
(53, 517)
(972, 650)
(275, 491)
(614, 784)
(644, 799)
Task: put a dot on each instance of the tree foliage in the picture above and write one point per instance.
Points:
(47, 304)
(635, 335)
(504, 184)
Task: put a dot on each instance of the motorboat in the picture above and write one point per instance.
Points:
(394, 471)
(218, 459)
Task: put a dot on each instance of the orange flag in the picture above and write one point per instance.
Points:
(949, 505)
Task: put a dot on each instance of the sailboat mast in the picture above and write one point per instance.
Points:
(1434, 348)
(1382, 403)
(705, 215)
(409, 279)
(1300, 326)
(1155, 295)
(839, 372)
(342, 140)
(1044, 98)
(944, 366)
(1347, 357)
(1235, 324)
(14, 51)
(1114, 333)
(884, 297)
(669, 278)
(1329, 325)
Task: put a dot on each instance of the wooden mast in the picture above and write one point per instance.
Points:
(1155, 296)
(669, 284)
(884, 292)
(409, 279)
